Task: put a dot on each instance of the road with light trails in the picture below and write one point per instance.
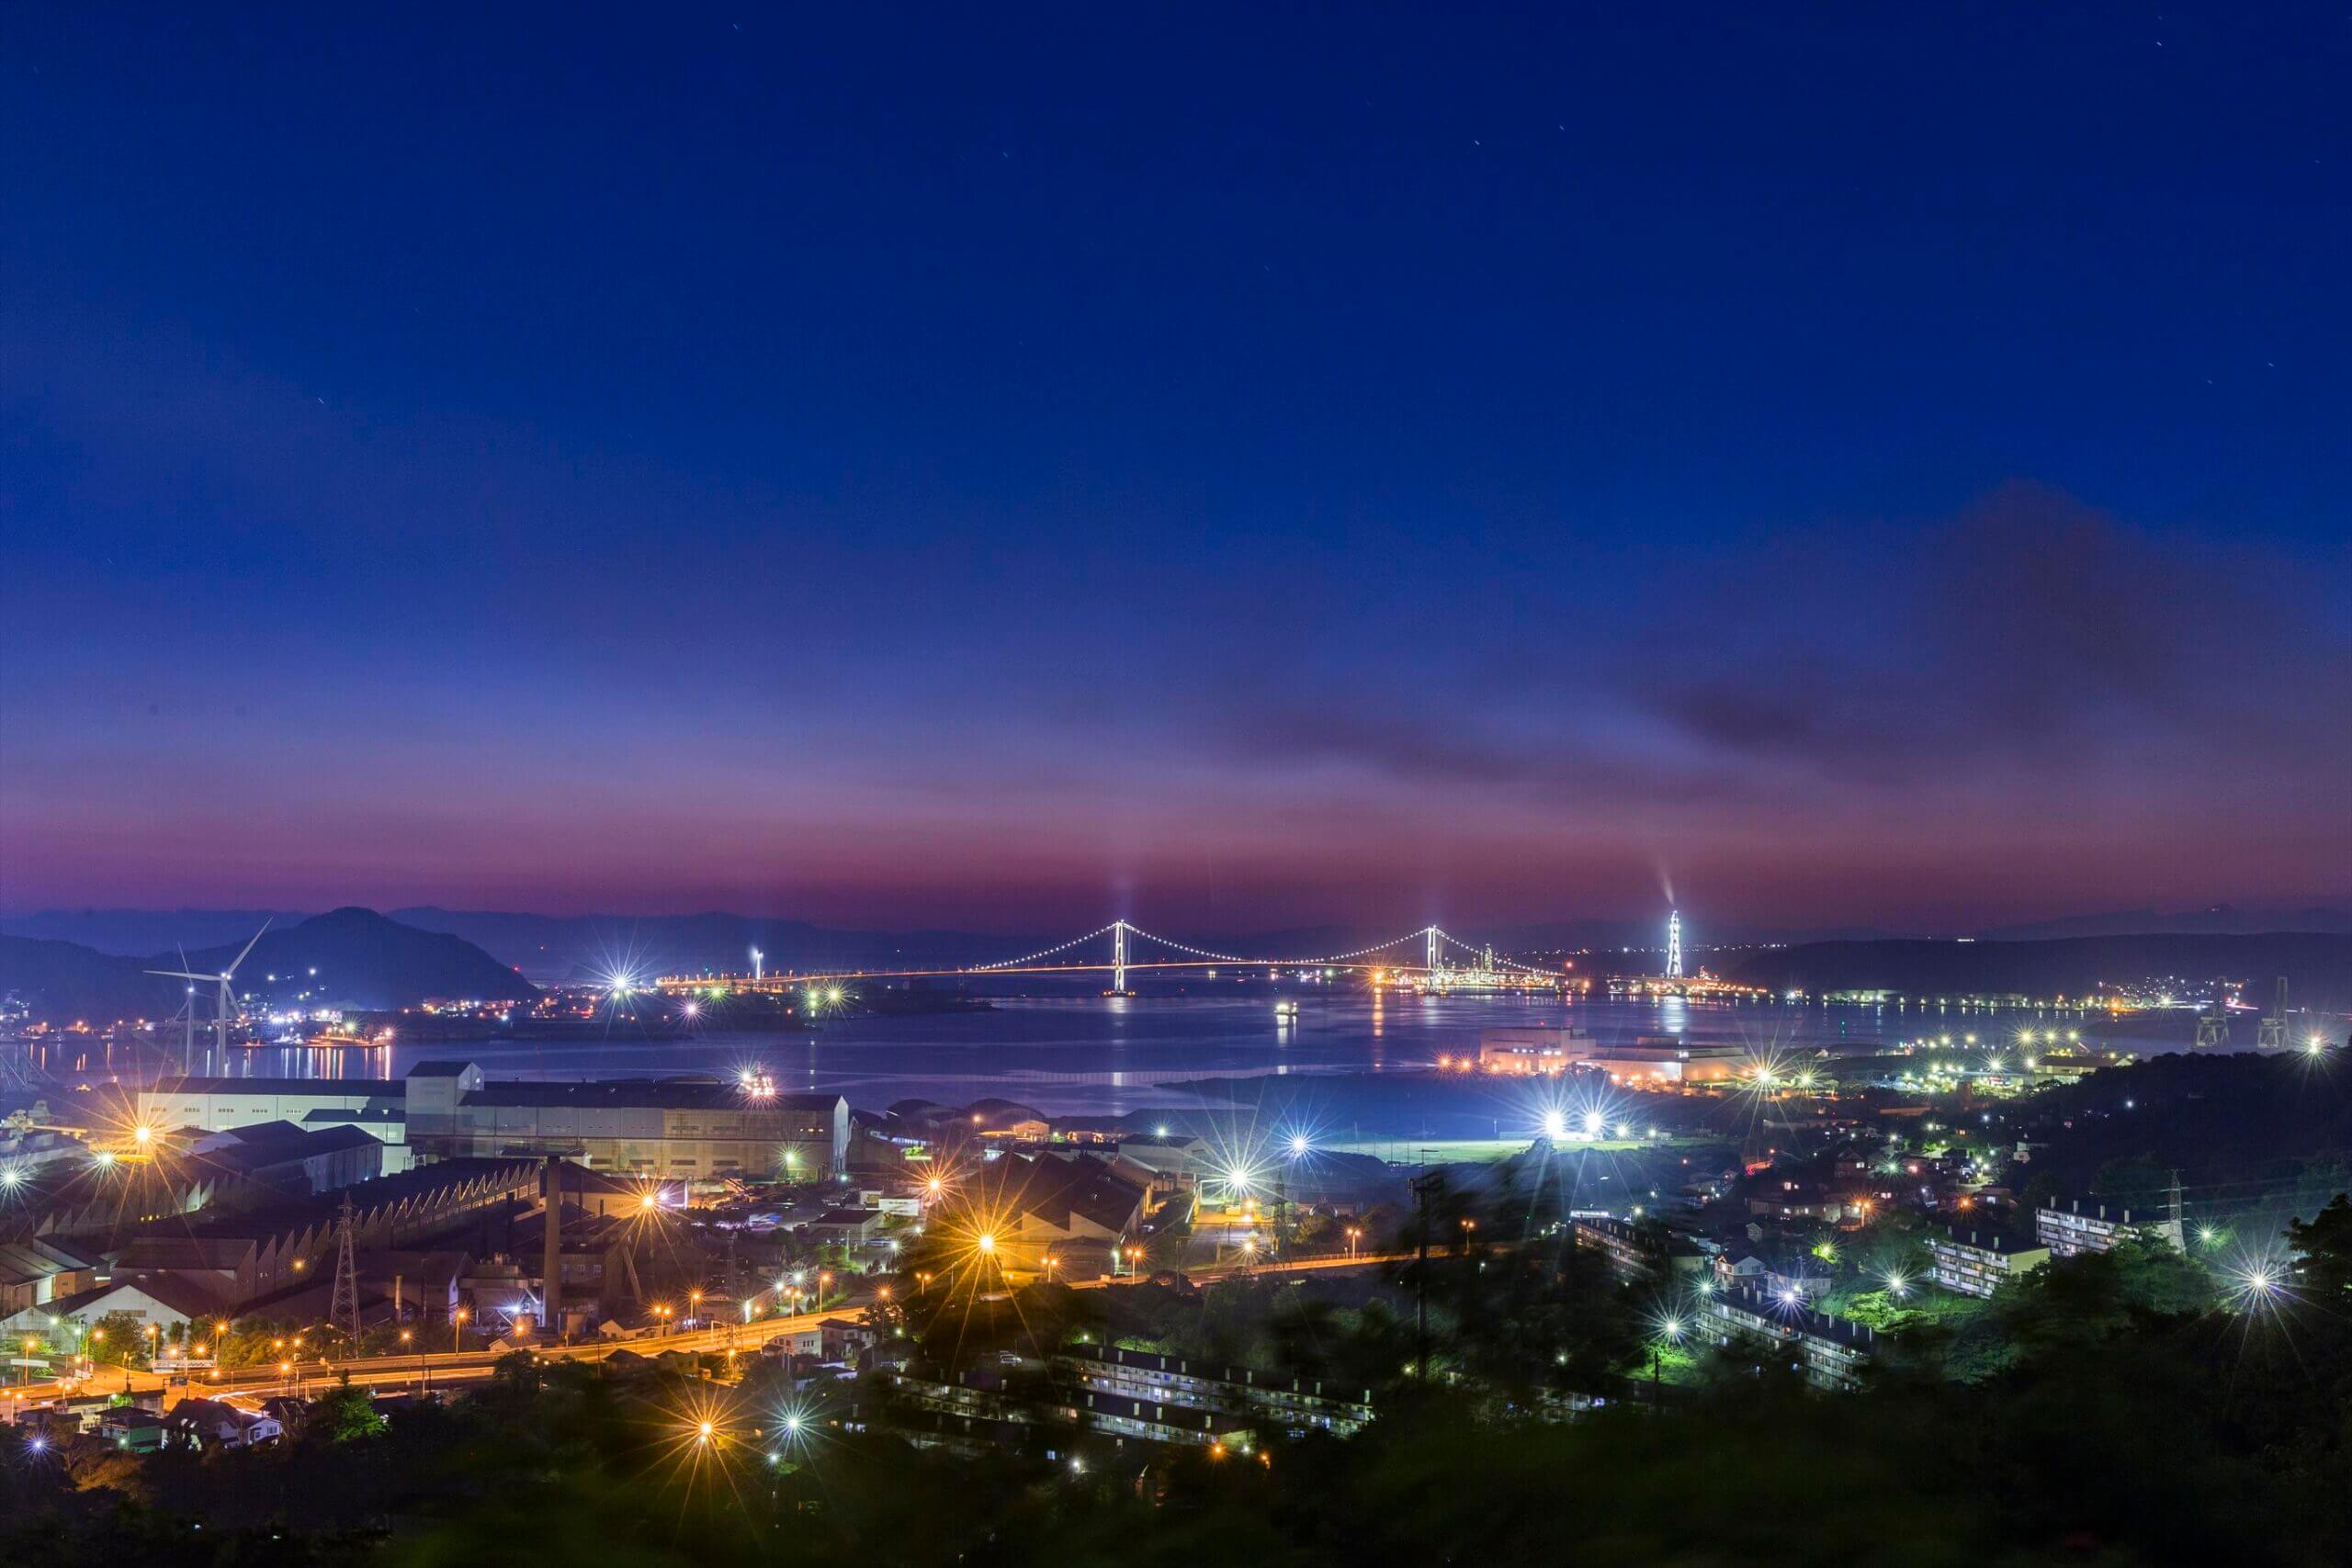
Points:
(444, 1368)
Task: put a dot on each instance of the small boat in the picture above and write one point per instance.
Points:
(1285, 1009)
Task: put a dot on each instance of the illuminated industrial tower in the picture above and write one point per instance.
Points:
(1674, 944)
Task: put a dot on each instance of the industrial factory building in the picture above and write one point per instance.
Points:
(674, 1129)
(1657, 1060)
(689, 1129)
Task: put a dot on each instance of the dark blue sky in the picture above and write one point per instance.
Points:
(921, 466)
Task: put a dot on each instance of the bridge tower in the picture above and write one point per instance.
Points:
(1434, 938)
(1674, 944)
(2272, 1033)
(1119, 957)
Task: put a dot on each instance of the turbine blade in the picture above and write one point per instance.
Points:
(249, 947)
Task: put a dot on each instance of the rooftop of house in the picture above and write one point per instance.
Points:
(1797, 1316)
(1054, 1190)
(190, 1301)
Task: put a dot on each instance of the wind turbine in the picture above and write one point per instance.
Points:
(186, 1016)
(225, 1002)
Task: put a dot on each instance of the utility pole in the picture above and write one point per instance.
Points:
(1425, 1187)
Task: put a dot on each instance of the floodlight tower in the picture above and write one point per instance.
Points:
(1674, 944)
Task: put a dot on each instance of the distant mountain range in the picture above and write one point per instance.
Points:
(350, 957)
(559, 949)
(2219, 920)
(553, 949)
(2318, 967)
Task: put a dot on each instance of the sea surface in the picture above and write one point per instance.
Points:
(1109, 1056)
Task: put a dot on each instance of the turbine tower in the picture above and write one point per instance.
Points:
(1674, 944)
(225, 999)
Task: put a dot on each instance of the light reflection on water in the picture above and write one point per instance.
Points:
(1091, 1053)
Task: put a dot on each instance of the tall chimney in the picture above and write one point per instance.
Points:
(552, 1191)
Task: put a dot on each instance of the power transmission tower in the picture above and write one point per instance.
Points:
(344, 1309)
(2272, 1034)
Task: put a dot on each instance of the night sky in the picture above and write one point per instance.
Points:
(902, 467)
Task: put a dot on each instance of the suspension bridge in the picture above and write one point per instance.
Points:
(1421, 958)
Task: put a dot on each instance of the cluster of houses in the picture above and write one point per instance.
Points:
(1121, 1396)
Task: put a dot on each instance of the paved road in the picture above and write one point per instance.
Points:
(446, 1368)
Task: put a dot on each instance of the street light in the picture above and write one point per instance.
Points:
(1670, 1331)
